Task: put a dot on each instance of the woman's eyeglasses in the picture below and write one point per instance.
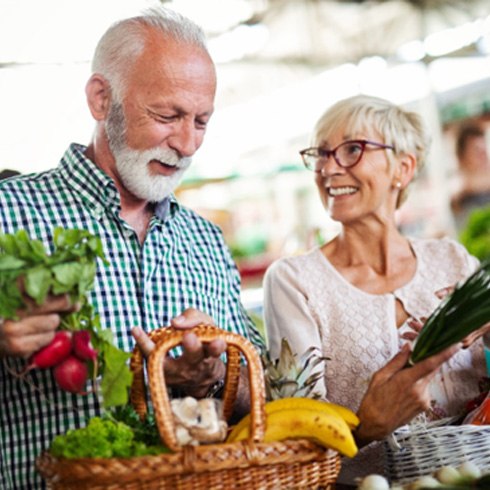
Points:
(347, 154)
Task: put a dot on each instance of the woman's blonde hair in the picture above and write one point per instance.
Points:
(400, 128)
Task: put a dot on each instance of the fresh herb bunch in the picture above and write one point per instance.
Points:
(460, 313)
(102, 438)
(28, 270)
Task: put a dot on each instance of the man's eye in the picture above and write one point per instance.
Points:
(165, 118)
(200, 124)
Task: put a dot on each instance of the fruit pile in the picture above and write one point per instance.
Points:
(80, 348)
(324, 423)
(293, 410)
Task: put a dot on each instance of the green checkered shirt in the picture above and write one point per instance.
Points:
(183, 263)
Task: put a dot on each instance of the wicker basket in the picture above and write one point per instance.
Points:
(422, 450)
(249, 464)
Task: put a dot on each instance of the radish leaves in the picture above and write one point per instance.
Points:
(28, 270)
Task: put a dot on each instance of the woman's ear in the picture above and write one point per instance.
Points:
(405, 172)
(98, 95)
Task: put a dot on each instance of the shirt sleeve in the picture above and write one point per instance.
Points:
(287, 314)
(238, 315)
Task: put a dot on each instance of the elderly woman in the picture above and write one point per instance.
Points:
(361, 296)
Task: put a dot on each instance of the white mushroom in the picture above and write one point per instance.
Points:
(185, 411)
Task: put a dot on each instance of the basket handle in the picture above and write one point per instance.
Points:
(168, 338)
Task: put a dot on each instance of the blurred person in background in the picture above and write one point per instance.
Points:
(472, 183)
(361, 297)
(151, 95)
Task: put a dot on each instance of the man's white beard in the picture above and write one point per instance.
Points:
(133, 165)
(133, 168)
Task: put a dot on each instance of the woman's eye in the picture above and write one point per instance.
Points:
(354, 148)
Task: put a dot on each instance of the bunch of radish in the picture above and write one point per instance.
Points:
(69, 354)
(82, 347)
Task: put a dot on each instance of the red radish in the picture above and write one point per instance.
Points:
(53, 353)
(82, 347)
(71, 375)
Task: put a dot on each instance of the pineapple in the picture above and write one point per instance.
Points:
(288, 377)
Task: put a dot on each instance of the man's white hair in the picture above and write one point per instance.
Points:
(124, 41)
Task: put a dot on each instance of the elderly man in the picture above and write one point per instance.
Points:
(151, 94)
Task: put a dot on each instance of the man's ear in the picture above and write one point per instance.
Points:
(98, 94)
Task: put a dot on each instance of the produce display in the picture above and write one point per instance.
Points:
(466, 476)
(480, 415)
(80, 349)
(460, 313)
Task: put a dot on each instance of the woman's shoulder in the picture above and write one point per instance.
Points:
(444, 252)
(296, 263)
(438, 246)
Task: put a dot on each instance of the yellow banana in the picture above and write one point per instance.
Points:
(321, 427)
(300, 403)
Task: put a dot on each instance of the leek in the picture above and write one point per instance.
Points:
(460, 313)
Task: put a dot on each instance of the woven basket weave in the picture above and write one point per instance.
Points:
(420, 451)
(250, 464)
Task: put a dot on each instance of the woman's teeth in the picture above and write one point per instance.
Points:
(341, 191)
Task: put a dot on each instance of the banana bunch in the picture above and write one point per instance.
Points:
(327, 424)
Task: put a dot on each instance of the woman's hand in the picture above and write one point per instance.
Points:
(396, 394)
(200, 365)
(417, 324)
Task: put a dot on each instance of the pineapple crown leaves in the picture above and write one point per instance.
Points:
(460, 313)
(289, 376)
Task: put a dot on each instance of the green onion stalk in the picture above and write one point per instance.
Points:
(460, 313)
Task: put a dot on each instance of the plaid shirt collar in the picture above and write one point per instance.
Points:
(97, 190)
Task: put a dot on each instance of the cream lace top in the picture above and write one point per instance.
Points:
(307, 301)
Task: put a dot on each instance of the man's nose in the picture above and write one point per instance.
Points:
(186, 139)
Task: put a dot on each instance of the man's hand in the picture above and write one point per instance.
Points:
(397, 393)
(34, 329)
(200, 365)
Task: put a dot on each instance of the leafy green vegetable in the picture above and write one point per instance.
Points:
(112, 362)
(144, 430)
(27, 269)
(24, 262)
(476, 235)
(461, 312)
(102, 438)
